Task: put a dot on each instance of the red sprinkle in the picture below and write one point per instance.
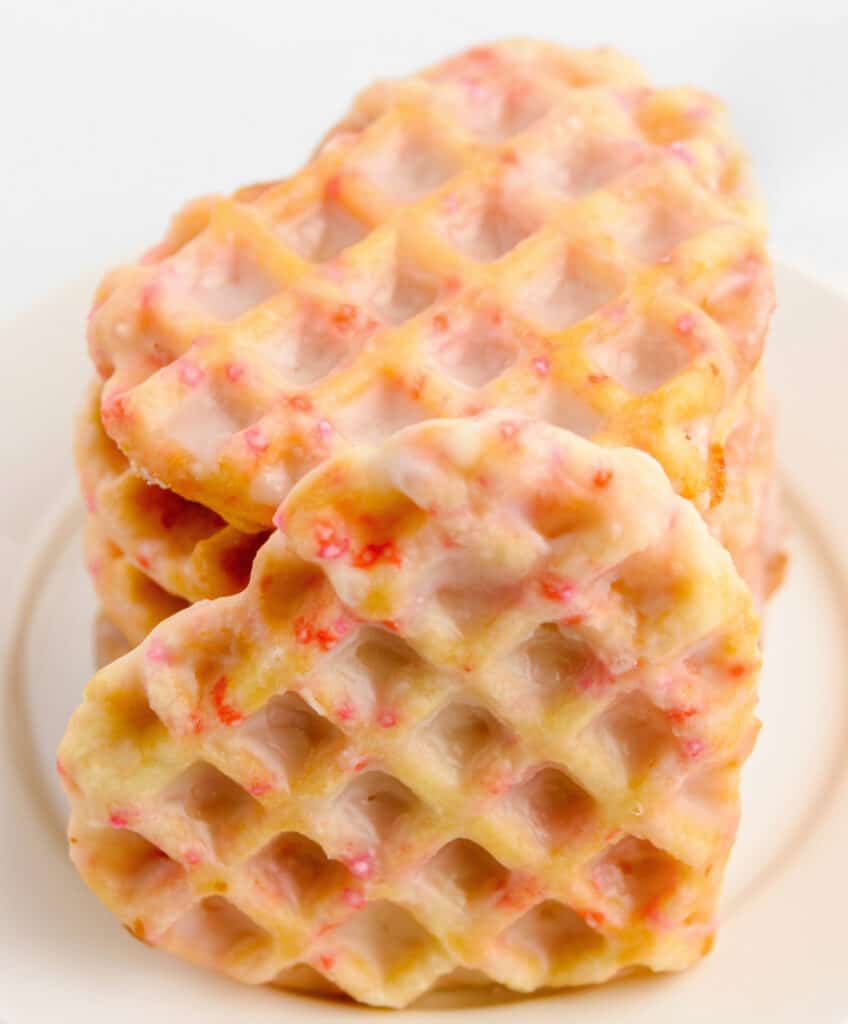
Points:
(227, 713)
(301, 403)
(328, 543)
(737, 670)
(602, 477)
(373, 553)
(361, 764)
(555, 588)
(597, 378)
(346, 713)
(196, 723)
(327, 960)
(119, 819)
(345, 316)
(681, 714)
(261, 787)
(594, 918)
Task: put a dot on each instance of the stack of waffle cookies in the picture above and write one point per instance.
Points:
(432, 489)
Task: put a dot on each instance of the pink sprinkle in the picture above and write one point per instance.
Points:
(324, 429)
(342, 626)
(256, 440)
(95, 566)
(157, 652)
(91, 502)
(302, 630)
(693, 748)
(508, 430)
(261, 787)
(354, 898)
(190, 374)
(541, 366)
(685, 323)
(279, 519)
(148, 293)
(388, 719)
(119, 819)
(328, 543)
(192, 857)
(361, 866)
(682, 152)
(234, 372)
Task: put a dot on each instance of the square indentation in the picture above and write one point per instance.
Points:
(635, 734)
(556, 808)
(288, 735)
(495, 111)
(215, 933)
(569, 289)
(561, 407)
(307, 349)
(385, 940)
(588, 164)
(472, 609)
(483, 225)
(466, 875)
(634, 878)
(221, 810)
(373, 809)
(552, 939)
(380, 412)
(404, 292)
(225, 280)
(295, 871)
(472, 350)
(653, 224)
(322, 233)
(133, 868)
(558, 664)
(411, 165)
(642, 356)
(207, 416)
(464, 736)
(130, 716)
(376, 670)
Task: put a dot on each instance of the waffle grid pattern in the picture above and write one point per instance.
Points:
(523, 228)
(443, 727)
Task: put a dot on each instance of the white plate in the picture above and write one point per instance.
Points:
(781, 955)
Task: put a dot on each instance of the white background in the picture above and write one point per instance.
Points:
(114, 113)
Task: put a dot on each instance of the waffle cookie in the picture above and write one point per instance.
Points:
(184, 548)
(521, 226)
(482, 706)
